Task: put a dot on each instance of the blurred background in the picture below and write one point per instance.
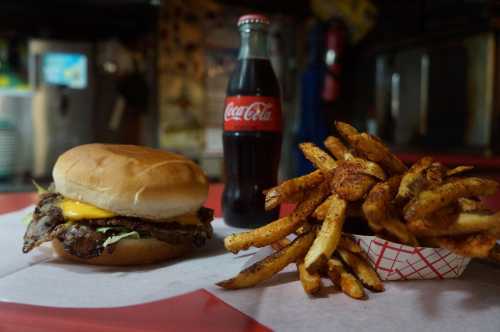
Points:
(423, 75)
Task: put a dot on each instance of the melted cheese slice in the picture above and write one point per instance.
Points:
(75, 210)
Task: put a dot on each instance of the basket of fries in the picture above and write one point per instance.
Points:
(362, 217)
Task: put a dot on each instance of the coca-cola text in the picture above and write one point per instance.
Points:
(252, 113)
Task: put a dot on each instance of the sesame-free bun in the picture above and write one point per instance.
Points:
(129, 252)
(131, 180)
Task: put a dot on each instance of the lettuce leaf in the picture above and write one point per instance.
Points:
(103, 229)
(27, 219)
(115, 238)
(39, 189)
(115, 229)
(122, 234)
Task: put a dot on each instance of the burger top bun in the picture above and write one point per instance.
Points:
(131, 180)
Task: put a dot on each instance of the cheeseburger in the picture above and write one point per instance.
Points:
(122, 205)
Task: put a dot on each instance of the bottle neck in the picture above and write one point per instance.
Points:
(253, 43)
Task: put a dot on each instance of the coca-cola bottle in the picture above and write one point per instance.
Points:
(252, 129)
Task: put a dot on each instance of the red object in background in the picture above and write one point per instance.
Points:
(252, 129)
(335, 43)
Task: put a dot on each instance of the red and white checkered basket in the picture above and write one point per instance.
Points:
(394, 261)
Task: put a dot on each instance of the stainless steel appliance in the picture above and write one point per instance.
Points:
(61, 76)
(440, 95)
(15, 125)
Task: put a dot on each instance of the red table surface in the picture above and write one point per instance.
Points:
(195, 311)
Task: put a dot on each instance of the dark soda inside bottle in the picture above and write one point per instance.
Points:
(243, 200)
(253, 77)
(251, 149)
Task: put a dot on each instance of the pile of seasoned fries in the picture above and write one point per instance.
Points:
(426, 205)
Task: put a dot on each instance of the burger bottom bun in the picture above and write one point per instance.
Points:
(129, 252)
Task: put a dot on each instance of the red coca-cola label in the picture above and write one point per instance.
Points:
(252, 113)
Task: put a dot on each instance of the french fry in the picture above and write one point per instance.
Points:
(458, 170)
(272, 232)
(353, 209)
(311, 282)
(377, 203)
(280, 244)
(318, 157)
(345, 280)
(471, 205)
(357, 165)
(363, 270)
(473, 245)
(346, 130)
(260, 237)
(361, 166)
(349, 186)
(348, 243)
(442, 218)
(371, 147)
(369, 168)
(435, 175)
(413, 180)
(322, 209)
(305, 228)
(396, 228)
(376, 151)
(431, 200)
(328, 237)
(279, 194)
(337, 148)
(464, 223)
(294, 198)
(270, 265)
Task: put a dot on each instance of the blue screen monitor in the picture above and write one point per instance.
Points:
(65, 69)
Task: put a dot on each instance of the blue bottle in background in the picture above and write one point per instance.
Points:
(312, 124)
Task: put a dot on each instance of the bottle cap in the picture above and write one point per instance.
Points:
(253, 18)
